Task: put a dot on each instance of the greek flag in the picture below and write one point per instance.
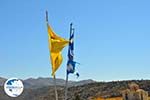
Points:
(71, 63)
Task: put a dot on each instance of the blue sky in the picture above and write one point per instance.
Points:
(112, 38)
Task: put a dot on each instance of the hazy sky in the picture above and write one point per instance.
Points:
(112, 38)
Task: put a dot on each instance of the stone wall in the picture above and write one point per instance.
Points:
(134, 93)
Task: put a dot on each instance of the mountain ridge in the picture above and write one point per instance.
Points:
(43, 82)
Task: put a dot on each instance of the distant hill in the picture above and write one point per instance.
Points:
(2, 81)
(43, 82)
(39, 87)
(84, 92)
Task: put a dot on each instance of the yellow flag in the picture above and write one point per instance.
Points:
(56, 44)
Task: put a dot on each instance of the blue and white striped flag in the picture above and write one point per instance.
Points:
(71, 63)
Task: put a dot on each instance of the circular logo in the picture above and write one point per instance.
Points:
(13, 87)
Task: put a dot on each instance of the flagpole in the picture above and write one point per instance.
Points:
(67, 76)
(66, 87)
(54, 78)
(56, 94)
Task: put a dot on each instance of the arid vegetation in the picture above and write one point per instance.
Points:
(114, 98)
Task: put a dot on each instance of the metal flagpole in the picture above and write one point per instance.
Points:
(67, 76)
(54, 78)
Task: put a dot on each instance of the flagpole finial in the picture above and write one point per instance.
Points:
(71, 28)
(46, 16)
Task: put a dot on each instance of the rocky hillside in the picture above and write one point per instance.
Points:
(106, 89)
(82, 92)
